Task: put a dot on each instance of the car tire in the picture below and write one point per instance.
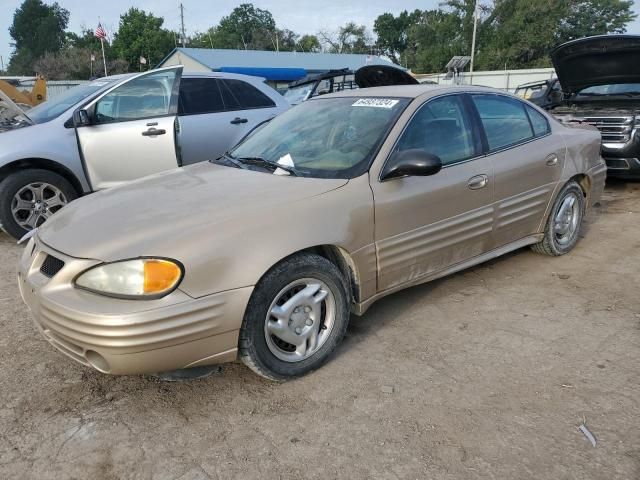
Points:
(309, 295)
(564, 223)
(59, 191)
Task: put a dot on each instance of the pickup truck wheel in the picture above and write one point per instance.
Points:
(564, 223)
(29, 197)
(296, 317)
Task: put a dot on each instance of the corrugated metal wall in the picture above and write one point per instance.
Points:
(54, 87)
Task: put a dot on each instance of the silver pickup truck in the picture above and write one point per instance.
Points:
(115, 129)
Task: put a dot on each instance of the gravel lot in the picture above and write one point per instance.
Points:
(485, 374)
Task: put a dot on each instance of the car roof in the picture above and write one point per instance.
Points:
(410, 91)
(187, 74)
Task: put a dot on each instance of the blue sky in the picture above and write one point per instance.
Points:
(301, 16)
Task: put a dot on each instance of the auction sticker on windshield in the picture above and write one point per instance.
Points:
(375, 102)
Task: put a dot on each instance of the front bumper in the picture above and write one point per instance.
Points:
(128, 336)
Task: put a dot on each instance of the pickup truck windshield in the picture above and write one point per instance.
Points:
(325, 138)
(614, 89)
(51, 109)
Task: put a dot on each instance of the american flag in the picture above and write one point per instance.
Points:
(100, 32)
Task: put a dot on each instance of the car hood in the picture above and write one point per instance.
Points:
(599, 60)
(383, 76)
(146, 216)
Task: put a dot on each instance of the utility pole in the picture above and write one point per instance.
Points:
(473, 38)
(184, 37)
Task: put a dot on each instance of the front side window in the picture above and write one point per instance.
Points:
(504, 119)
(441, 127)
(199, 96)
(240, 95)
(51, 109)
(144, 97)
(325, 137)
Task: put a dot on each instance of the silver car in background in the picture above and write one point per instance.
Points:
(120, 128)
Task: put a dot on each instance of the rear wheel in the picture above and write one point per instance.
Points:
(297, 316)
(564, 223)
(29, 197)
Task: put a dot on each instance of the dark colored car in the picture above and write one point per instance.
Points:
(345, 79)
(600, 79)
(545, 94)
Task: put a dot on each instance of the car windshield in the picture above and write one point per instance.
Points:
(325, 138)
(614, 89)
(51, 109)
(298, 94)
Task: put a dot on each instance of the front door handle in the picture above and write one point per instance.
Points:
(478, 182)
(152, 132)
(238, 121)
(552, 160)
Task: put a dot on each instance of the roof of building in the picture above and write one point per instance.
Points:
(298, 63)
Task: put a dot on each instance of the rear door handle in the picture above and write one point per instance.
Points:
(238, 121)
(551, 160)
(152, 132)
(478, 182)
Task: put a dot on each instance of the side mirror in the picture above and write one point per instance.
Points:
(81, 118)
(413, 163)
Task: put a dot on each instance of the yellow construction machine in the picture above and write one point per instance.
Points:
(24, 98)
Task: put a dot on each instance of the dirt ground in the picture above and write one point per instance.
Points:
(485, 374)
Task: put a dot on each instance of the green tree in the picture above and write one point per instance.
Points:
(37, 28)
(393, 32)
(584, 18)
(141, 34)
(248, 28)
(433, 40)
(309, 43)
(350, 38)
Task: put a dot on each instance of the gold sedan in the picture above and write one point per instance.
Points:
(265, 252)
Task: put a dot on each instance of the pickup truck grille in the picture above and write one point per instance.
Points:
(613, 129)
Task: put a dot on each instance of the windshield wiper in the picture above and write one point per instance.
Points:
(263, 161)
(231, 159)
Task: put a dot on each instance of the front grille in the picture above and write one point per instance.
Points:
(613, 129)
(51, 266)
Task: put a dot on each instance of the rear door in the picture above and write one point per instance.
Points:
(527, 160)
(216, 113)
(132, 133)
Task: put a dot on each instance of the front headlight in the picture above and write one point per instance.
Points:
(139, 278)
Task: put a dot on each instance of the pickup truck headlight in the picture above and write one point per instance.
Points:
(140, 278)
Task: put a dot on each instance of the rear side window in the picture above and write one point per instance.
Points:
(239, 95)
(441, 127)
(200, 95)
(538, 121)
(504, 119)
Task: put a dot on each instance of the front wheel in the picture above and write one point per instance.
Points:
(297, 316)
(29, 197)
(564, 223)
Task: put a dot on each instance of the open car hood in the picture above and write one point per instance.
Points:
(382, 76)
(599, 60)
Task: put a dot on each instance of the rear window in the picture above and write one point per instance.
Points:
(239, 95)
(504, 119)
(200, 95)
(538, 122)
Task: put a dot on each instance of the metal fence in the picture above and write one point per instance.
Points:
(507, 80)
(54, 87)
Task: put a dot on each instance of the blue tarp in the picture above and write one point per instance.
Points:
(284, 74)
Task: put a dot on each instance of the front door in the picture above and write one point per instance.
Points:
(527, 161)
(132, 130)
(426, 224)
